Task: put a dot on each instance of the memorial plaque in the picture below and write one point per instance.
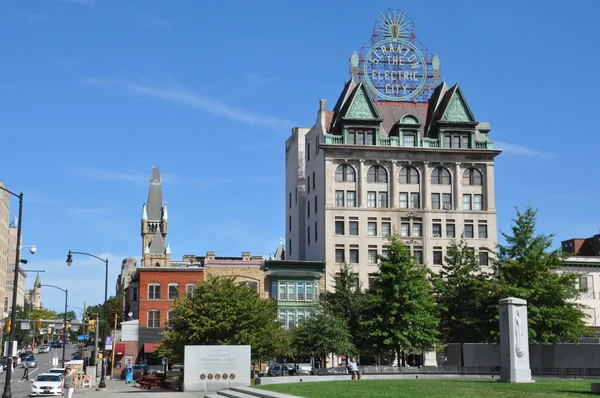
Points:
(216, 367)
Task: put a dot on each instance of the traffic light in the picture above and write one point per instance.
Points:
(38, 325)
(7, 325)
(68, 324)
(92, 325)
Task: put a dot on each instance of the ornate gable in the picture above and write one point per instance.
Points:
(361, 106)
(457, 109)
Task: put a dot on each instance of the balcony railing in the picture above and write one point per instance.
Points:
(395, 142)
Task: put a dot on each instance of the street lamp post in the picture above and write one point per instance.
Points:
(13, 315)
(64, 319)
(102, 384)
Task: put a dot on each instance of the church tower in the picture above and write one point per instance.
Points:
(36, 292)
(154, 228)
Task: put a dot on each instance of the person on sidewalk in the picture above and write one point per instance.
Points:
(353, 368)
(68, 383)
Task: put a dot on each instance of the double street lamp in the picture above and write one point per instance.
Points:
(64, 319)
(102, 384)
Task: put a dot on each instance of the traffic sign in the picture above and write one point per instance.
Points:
(83, 337)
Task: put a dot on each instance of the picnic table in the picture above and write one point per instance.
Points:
(156, 381)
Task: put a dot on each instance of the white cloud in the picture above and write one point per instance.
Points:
(186, 97)
(513, 149)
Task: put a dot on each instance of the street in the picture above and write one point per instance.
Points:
(21, 388)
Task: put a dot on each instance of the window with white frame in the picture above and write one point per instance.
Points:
(372, 258)
(371, 199)
(189, 289)
(467, 202)
(405, 229)
(477, 202)
(340, 256)
(482, 231)
(354, 258)
(170, 316)
(173, 291)
(351, 198)
(339, 198)
(153, 319)
(450, 230)
(404, 200)
(372, 228)
(383, 200)
(414, 200)
(469, 231)
(447, 201)
(339, 227)
(154, 291)
(386, 228)
(353, 228)
(435, 201)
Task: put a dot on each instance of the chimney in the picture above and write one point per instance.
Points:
(210, 255)
(246, 256)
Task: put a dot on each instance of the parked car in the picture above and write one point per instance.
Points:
(4, 363)
(46, 384)
(303, 369)
(30, 362)
(43, 349)
(278, 369)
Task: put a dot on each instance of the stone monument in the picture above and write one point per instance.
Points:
(216, 367)
(514, 341)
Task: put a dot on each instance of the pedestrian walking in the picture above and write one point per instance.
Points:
(25, 373)
(68, 383)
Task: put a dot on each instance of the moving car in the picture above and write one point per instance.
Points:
(43, 349)
(46, 384)
(30, 362)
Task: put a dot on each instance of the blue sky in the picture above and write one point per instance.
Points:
(96, 92)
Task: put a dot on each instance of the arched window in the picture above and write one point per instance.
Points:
(345, 172)
(173, 291)
(472, 177)
(409, 175)
(154, 291)
(410, 119)
(440, 176)
(377, 174)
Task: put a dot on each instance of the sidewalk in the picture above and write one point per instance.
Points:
(118, 388)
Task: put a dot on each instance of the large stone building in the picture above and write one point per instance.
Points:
(395, 154)
(10, 272)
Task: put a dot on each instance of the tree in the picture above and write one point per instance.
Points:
(527, 269)
(401, 308)
(465, 295)
(347, 302)
(221, 312)
(114, 306)
(70, 315)
(321, 334)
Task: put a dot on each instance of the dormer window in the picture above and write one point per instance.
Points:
(361, 137)
(409, 138)
(457, 139)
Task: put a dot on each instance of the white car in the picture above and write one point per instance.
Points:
(43, 349)
(46, 384)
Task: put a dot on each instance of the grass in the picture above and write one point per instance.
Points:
(435, 388)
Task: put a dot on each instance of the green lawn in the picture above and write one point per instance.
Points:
(434, 388)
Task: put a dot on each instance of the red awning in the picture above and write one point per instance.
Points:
(150, 347)
(119, 349)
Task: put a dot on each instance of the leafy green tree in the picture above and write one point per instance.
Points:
(70, 315)
(321, 334)
(527, 269)
(221, 312)
(347, 302)
(402, 311)
(114, 307)
(466, 297)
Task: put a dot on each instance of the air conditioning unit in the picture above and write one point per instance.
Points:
(447, 207)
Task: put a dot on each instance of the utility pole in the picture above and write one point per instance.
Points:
(96, 342)
(85, 320)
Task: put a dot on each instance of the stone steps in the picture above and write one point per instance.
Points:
(246, 392)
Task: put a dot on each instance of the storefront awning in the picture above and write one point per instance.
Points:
(119, 349)
(150, 347)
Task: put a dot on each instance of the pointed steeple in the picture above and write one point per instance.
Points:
(144, 213)
(158, 243)
(155, 202)
(38, 281)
